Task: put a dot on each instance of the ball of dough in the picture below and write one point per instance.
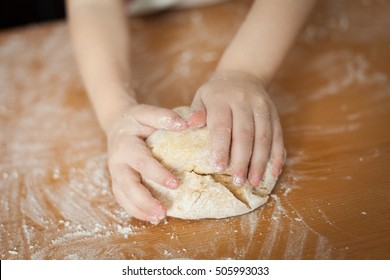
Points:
(203, 192)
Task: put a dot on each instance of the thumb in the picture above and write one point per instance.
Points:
(159, 118)
(197, 117)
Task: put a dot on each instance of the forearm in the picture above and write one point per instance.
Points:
(265, 37)
(101, 44)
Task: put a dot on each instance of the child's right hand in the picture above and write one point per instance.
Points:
(128, 157)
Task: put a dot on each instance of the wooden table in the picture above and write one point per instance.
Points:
(333, 95)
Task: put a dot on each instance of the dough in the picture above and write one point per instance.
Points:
(203, 192)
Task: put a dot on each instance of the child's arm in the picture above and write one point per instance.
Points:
(244, 124)
(101, 44)
(265, 37)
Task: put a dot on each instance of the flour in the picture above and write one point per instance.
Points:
(296, 241)
(183, 66)
(352, 69)
(272, 236)
(326, 129)
(323, 249)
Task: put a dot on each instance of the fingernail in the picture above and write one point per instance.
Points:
(179, 124)
(158, 215)
(276, 172)
(255, 180)
(159, 212)
(216, 159)
(238, 180)
(196, 119)
(172, 184)
(219, 167)
(154, 220)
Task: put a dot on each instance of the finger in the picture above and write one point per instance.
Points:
(197, 117)
(242, 144)
(261, 146)
(219, 122)
(134, 196)
(277, 147)
(133, 210)
(159, 118)
(141, 159)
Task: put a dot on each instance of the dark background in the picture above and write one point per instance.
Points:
(20, 12)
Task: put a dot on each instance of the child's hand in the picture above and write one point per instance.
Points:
(243, 123)
(128, 157)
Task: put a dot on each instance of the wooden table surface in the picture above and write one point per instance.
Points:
(333, 94)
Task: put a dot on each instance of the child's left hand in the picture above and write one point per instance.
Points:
(244, 125)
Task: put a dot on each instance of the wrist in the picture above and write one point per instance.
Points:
(111, 105)
(261, 74)
(226, 74)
